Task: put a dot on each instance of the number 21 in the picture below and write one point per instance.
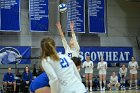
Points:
(64, 63)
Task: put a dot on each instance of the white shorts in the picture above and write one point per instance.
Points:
(88, 72)
(77, 87)
(133, 71)
(102, 72)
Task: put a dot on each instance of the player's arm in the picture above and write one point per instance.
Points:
(120, 72)
(105, 65)
(74, 36)
(137, 65)
(53, 79)
(92, 64)
(65, 44)
(98, 66)
(83, 65)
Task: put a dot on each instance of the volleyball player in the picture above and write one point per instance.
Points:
(133, 66)
(88, 65)
(41, 83)
(62, 72)
(72, 50)
(123, 72)
(102, 67)
(114, 81)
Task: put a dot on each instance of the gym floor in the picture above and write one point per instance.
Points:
(127, 91)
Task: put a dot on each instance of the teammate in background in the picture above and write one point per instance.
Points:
(61, 70)
(8, 79)
(123, 72)
(114, 81)
(102, 67)
(133, 66)
(71, 50)
(88, 65)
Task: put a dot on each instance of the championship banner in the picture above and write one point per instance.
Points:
(39, 18)
(110, 54)
(76, 13)
(15, 55)
(97, 16)
(10, 15)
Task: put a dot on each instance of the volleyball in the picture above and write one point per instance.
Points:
(62, 8)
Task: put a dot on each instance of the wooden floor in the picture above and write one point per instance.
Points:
(119, 91)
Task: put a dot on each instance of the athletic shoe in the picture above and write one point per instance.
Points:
(103, 89)
(124, 88)
(136, 88)
(90, 90)
(129, 88)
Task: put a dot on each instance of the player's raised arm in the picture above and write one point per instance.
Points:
(65, 44)
(74, 36)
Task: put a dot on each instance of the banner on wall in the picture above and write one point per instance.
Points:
(39, 18)
(15, 55)
(110, 54)
(97, 16)
(76, 13)
(10, 15)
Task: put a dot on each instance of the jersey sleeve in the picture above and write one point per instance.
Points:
(137, 65)
(83, 65)
(120, 72)
(76, 72)
(75, 41)
(129, 65)
(110, 79)
(126, 71)
(53, 79)
(106, 65)
(98, 66)
(92, 64)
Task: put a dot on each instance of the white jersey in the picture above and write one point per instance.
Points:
(102, 66)
(63, 75)
(123, 71)
(71, 52)
(113, 80)
(88, 66)
(133, 67)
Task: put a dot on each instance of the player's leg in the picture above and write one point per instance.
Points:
(87, 79)
(104, 81)
(43, 90)
(100, 77)
(90, 80)
(131, 77)
(135, 78)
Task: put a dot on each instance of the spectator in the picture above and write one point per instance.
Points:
(8, 79)
(27, 77)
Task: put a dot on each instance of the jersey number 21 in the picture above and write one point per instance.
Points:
(64, 63)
